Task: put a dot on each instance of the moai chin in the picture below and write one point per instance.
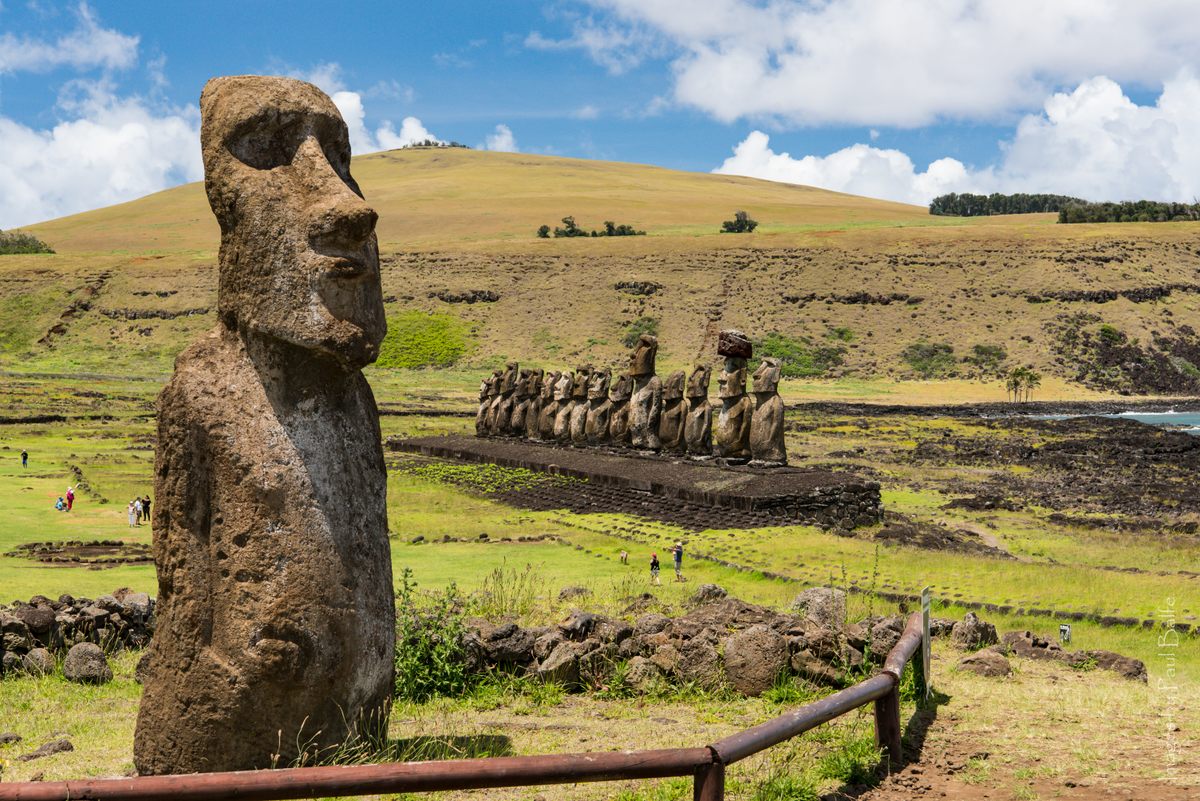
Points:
(670, 424)
(500, 416)
(697, 425)
(579, 408)
(731, 440)
(550, 403)
(533, 412)
(767, 446)
(599, 412)
(564, 390)
(276, 618)
(618, 423)
(645, 404)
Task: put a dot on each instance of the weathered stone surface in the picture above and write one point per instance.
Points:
(488, 389)
(988, 662)
(645, 402)
(884, 636)
(599, 408)
(825, 606)
(86, 664)
(618, 423)
(766, 423)
(1030, 646)
(754, 658)
(732, 342)
(699, 663)
(706, 593)
(533, 413)
(548, 413)
(731, 439)
(51, 748)
(814, 668)
(10, 737)
(520, 405)
(642, 675)
(38, 662)
(276, 617)
(564, 405)
(10, 662)
(674, 410)
(14, 634)
(580, 393)
(562, 665)
(650, 623)
(567, 593)
(973, 633)
(697, 424)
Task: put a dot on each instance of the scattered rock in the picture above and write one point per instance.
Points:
(1124, 666)
(973, 633)
(825, 606)
(988, 662)
(699, 663)
(10, 738)
(567, 593)
(86, 664)
(754, 658)
(642, 675)
(48, 749)
(38, 662)
(650, 623)
(706, 593)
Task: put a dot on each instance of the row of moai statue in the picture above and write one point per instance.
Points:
(639, 410)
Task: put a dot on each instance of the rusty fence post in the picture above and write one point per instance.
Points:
(887, 725)
(710, 783)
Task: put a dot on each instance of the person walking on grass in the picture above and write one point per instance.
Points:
(677, 553)
(70, 498)
(130, 512)
(654, 569)
(24, 458)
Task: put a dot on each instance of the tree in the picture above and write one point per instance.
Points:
(1021, 382)
(740, 224)
(544, 232)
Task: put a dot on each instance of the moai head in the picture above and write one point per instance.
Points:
(508, 381)
(673, 386)
(697, 386)
(598, 385)
(562, 390)
(299, 259)
(766, 377)
(641, 361)
(549, 385)
(522, 391)
(583, 377)
(493, 383)
(731, 382)
(622, 390)
(535, 383)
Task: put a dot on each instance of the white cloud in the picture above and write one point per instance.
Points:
(586, 112)
(1092, 142)
(886, 62)
(501, 140)
(111, 151)
(411, 132)
(88, 46)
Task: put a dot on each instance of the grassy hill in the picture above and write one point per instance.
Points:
(848, 284)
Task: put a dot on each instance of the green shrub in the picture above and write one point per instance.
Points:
(417, 339)
(1111, 335)
(544, 231)
(571, 229)
(431, 657)
(740, 224)
(988, 358)
(14, 242)
(642, 325)
(798, 357)
(930, 359)
(841, 333)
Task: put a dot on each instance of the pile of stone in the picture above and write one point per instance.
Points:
(721, 641)
(637, 409)
(33, 634)
(992, 655)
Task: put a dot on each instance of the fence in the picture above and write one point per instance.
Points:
(706, 765)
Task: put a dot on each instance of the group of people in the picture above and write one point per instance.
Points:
(677, 557)
(139, 510)
(66, 501)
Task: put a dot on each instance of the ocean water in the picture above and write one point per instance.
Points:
(1188, 422)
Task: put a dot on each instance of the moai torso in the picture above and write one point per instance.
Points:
(562, 417)
(731, 439)
(550, 403)
(618, 423)
(599, 411)
(766, 425)
(500, 417)
(516, 425)
(579, 411)
(275, 618)
(670, 424)
(487, 394)
(697, 426)
(645, 402)
(533, 413)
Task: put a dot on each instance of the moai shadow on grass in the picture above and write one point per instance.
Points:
(276, 617)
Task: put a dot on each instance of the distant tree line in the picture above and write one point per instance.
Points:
(13, 242)
(1128, 211)
(434, 143)
(570, 229)
(969, 205)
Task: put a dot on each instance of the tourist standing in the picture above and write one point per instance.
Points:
(146, 510)
(654, 569)
(137, 510)
(130, 512)
(24, 458)
(70, 498)
(677, 552)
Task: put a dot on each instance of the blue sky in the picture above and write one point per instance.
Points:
(890, 98)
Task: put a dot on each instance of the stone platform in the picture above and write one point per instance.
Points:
(775, 496)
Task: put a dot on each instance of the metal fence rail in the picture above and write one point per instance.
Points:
(706, 765)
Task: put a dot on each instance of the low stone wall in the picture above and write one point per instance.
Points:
(124, 619)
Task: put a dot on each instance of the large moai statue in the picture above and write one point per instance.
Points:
(487, 394)
(534, 411)
(731, 440)
(766, 425)
(645, 404)
(599, 413)
(580, 405)
(276, 616)
(516, 425)
(697, 425)
(670, 422)
(550, 403)
(618, 423)
(564, 392)
(500, 416)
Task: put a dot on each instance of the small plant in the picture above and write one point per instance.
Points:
(507, 591)
(740, 224)
(431, 654)
(1111, 335)
(642, 325)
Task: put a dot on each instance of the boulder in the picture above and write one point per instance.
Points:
(1124, 666)
(86, 664)
(10, 662)
(825, 606)
(754, 658)
(699, 663)
(510, 645)
(707, 593)
(884, 636)
(39, 619)
(545, 644)
(597, 662)
(612, 631)
(567, 593)
(812, 667)
(1030, 646)
(972, 633)
(724, 615)
(578, 626)
(642, 675)
(14, 634)
(666, 658)
(987, 662)
(38, 662)
(561, 666)
(10, 738)
(650, 623)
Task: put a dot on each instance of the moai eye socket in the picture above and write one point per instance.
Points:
(267, 141)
